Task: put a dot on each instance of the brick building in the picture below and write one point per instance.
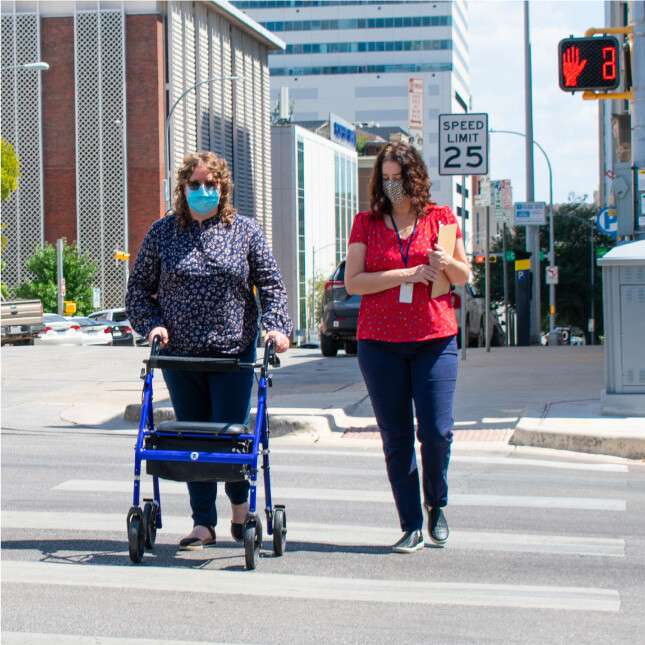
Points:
(90, 130)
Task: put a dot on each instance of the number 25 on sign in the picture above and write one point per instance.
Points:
(463, 144)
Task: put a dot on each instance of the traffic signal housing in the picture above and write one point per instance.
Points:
(589, 63)
(121, 255)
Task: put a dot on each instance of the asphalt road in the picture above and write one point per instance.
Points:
(545, 546)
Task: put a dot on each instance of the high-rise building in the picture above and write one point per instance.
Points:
(355, 58)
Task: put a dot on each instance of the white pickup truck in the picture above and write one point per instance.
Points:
(22, 320)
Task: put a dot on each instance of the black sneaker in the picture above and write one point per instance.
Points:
(437, 525)
(410, 542)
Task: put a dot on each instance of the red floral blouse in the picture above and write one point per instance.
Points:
(382, 316)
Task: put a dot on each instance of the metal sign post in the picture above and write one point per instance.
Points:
(463, 150)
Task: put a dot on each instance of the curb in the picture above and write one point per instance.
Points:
(281, 425)
(532, 432)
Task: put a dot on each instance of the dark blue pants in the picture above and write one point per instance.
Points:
(398, 375)
(219, 397)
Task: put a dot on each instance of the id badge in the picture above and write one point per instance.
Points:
(405, 293)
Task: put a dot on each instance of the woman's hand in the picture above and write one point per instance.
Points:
(281, 342)
(158, 331)
(437, 261)
(421, 273)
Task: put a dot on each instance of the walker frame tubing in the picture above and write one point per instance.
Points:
(260, 437)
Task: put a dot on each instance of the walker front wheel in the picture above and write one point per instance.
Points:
(279, 530)
(252, 543)
(136, 535)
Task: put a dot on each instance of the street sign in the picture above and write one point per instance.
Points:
(463, 144)
(96, 297)
(530, 213)
(502, 200)
(607, 221)
(552, 275)
(484, 192)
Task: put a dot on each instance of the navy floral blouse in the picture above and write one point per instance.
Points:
(203, 277)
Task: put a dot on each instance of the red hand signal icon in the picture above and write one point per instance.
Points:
(572, 66)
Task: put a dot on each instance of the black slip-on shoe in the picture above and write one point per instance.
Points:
(410, 542)
(194, 543)
(437, 525)
(237, 531)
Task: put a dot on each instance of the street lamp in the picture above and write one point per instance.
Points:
(166, 186)
(551, 234)
(40, 66)
(313, 283)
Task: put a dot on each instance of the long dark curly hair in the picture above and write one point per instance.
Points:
(225, 211)
(413, 172)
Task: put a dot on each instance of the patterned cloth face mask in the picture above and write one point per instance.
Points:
(393, 189)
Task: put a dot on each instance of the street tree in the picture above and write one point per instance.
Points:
(10, 169)
(572, 257)
(10, 173)
(79, 272)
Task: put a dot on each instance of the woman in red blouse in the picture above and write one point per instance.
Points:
(406, 340)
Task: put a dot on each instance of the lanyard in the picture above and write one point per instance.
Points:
(411, 238)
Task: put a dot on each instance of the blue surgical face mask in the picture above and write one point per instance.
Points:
(203, 200)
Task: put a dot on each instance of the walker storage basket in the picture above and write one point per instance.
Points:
(198, 438)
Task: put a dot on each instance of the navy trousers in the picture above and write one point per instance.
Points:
(216, 397)
(397, 376)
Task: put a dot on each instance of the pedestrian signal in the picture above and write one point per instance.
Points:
(589, 63)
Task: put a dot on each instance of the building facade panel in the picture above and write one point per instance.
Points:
(22, 214)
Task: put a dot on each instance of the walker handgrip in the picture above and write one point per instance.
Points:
(156, 345)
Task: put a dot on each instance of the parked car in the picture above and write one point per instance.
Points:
(94, 333)
(118, 315)
(122, 333)
(59, 331)
(339, 316)
(113, 315)
(22, 321)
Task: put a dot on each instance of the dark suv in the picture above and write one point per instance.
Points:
(339, 316)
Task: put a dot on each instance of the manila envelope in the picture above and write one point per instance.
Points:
(445, 239)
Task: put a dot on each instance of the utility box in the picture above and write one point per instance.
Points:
(623, 285)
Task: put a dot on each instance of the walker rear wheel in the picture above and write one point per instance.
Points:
(279, 530)
(252, 543)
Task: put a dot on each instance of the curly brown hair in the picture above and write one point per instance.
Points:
(413, 173)
(226, 212)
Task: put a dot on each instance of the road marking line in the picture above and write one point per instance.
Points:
(365, 496)
(466, 459)
(312, 587)
(325, 533)
(29, 638)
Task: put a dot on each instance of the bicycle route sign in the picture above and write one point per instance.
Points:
(463, 144)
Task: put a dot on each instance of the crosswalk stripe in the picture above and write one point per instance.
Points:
(340, 534)
(29, 638)
(365, 496)
(327, 588)
(465, 459)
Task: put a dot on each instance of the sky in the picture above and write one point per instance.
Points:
(563, 124)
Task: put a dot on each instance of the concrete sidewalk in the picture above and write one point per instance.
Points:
(545, 397)
(542, 392)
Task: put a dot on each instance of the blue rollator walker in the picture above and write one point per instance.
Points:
(200, 451)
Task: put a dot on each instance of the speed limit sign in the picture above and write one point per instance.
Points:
(463, 144)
